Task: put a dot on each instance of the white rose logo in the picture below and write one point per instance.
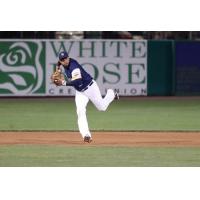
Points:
(21, 69)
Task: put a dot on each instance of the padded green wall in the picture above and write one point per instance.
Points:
(161, 68)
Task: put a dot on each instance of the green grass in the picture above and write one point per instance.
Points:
(60, 156)
(134, 114)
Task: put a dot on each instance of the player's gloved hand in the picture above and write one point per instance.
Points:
(58, 82)
(58, 78)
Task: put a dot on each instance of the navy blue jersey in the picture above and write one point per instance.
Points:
(85, 78)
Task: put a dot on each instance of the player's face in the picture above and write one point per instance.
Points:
(65, 62)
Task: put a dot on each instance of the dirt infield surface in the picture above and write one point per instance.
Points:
(129, 139)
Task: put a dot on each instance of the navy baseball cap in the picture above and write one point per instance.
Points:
(62, 55)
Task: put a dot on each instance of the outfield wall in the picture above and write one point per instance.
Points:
(187, 68)
(173, 67)
(131, 67)
(161, 69)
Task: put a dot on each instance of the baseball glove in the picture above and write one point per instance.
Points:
(57, 77)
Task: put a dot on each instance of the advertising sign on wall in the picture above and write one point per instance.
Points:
(26, 66)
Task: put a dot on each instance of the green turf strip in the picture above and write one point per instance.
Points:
(126, 115)
(61, 156)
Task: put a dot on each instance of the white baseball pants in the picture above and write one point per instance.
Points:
(94, 95)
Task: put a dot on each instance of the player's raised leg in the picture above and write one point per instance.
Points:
(94, 94)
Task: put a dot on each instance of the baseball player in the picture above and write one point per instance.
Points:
(86, 89)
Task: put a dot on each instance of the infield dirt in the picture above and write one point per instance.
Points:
(126, 139)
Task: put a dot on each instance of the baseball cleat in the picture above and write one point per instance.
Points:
(116, 96)
(87, 139)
